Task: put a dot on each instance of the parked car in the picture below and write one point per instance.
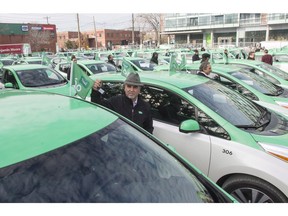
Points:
(7, 61)
(96, 66)
(29, 76)
(28, 60)
(88, 66)
(252, 86)
(280, 59)
(139, 64)
(247, 83)
(57, 149)
(239, 144)
(269, 72)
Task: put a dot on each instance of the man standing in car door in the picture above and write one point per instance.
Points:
(129, 105)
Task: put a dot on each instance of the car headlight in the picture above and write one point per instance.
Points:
(283, 104)
(278, 151)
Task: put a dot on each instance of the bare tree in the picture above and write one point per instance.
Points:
(39, 40)
(152, 21)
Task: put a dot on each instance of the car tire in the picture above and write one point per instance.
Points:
(249, 189)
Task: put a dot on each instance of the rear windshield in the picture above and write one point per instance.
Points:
(116, 164)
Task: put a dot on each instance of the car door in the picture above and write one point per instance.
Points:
(195, 147)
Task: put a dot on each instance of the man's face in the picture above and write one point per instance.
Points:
(208, 69)
(132, 91)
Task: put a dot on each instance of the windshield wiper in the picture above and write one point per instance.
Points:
(247, 126)
(262, 116)
(258, 124)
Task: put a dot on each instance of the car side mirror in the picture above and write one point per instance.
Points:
(189, 126)
(8, 85)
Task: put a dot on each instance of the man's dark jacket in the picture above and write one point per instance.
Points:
(140, 114)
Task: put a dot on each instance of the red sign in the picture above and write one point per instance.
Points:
(11, 48)
(48, 27)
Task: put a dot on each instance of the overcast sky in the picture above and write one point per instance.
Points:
(68, 21)
(117, 14)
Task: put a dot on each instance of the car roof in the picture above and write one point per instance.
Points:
(90, 61)
(178, 79)
(25, 67)
(35, 122)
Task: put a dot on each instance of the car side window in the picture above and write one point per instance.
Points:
(10, 78)
(172, 109)
(111, 89)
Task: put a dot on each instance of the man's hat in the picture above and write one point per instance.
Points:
(133, 79)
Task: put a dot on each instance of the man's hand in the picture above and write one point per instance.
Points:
(97, 84)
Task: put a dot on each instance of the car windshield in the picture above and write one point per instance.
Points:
(144, 64)
(278, 72)
(6, 62)
(280, 58)
(34, 62)
(40, 77)
(233, 107)
(115, 164)
(101, 67)
(257, 82)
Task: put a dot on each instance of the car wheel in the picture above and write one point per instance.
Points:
(249, 189)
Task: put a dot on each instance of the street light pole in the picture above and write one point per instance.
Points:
(95, 33)
(133, 29)
(79, 36)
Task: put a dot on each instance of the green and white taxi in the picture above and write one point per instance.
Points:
(239, 144)
(60, 149)
(36, 77)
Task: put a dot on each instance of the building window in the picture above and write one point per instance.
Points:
(217, 19)
(231, 18)
(182, 22)
(170, 23)
(194, 21)
(204, 20)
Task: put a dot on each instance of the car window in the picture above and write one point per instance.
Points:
(257, 82)
(39, 77)
(10, 78)
(259, 72)
(116, 164)
(274, 70)
(280, 58)
(235, 86)
(229, 104)
(172, 109)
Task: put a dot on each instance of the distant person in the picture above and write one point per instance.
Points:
(226, 52)
(225, 57)
(195, 57)
(73, 59)
(154, 58)
(205, 57)
(241, 55)
(267, 58)
(251, 55)
(203, 49)
(167, 53)
(111, 60)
